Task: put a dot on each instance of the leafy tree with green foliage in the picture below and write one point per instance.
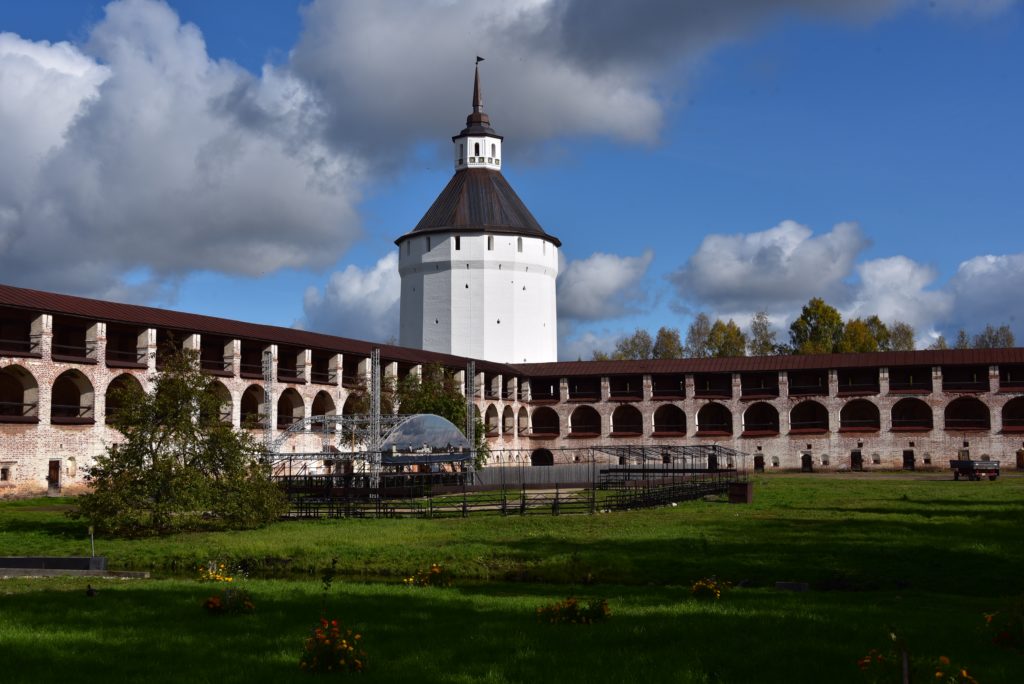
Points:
(901, 337)
(817, 330)
(639, 345)
(761, 341)
(697, 337)
(726, 339)
(994, 338)
(667, 344)
(179, 466)
(879, 332)
(439, 392)
(859, 336)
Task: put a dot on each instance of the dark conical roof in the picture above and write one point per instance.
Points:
(479, 200)
(477, 123)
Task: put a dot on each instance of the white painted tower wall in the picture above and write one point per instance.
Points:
(486, 300)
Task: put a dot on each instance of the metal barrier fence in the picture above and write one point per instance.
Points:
(514, 483)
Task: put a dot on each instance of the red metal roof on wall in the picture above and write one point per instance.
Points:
(132, 314)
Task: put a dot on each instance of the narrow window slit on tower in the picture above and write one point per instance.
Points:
(490, 242)
(458, 242)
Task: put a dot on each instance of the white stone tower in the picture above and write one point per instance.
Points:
(478, 272)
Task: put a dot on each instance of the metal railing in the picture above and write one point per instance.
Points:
(78, 351)
(29, 345)
(17, 408)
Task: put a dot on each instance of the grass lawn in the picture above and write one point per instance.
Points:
(925, 557)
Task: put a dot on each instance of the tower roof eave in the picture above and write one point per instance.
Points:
(479, 200)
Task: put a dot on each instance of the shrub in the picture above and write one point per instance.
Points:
(881, 668)
(571, 611)
(708, 589)
(1007, 625)
(330, 649)
(435, 576)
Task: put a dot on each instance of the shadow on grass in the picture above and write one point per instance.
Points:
(157, 632)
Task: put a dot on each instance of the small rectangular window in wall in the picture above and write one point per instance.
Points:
(490, 242)
(458, 242)
(428, 243)
(5, 473)
(519, 244)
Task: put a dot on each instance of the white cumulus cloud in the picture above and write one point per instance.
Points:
(602, 286)
(140, 152)
(358, 303)
(772, 270)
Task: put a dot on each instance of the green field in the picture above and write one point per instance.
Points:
(925, 557)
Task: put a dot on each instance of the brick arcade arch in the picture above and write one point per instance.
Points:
(808, 417)
(252, 399)
(71, 400)
(544, 422)
(323, 404)
(1013, 415)
(112, 398)
(714, 419)
(19, 395)
(542, 457)
(859, 415)
(290, 408)
(585, 420)
(508, 419)
(911, 415)
(669, 420)
(522, 420)
(627, 420)
(760, 419)
(226, 407)
(967, 413)
(492, 421)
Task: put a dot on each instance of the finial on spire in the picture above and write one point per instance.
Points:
(478, 96)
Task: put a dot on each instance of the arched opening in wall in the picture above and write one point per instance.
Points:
(859, 415)
(911, 415)
(19, 396)
(492, 421)
(584, 421)
(714, 420)
(967, 413)
(476, 149)
(1013, 415)
(759, 463)
(323, 405)
(522, 420)
(760, 419)
(252, 400)
(807, 418)
(542, 457)
(627, 420)
(290, 409)
(225, 407)
(669, 421)
(357, 402)
(544, 422)
(508, 421)
(71, 401)
(118, 391)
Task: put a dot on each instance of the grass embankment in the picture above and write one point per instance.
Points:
(927, 557)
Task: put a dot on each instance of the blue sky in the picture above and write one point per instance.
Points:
(733, 160)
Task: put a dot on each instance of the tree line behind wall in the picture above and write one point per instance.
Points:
(820, 329)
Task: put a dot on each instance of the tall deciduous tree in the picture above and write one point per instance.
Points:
(667, 344)
(994, 338)
(963, 340)
(901, 337)
(879, 331)
(858, 336)
(697, 337)
(762, 337)
(726, 339)
(179, 466)
(939, 343)
(817, 330)
(639, 345)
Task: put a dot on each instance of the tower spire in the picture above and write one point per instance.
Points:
(478, 95)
